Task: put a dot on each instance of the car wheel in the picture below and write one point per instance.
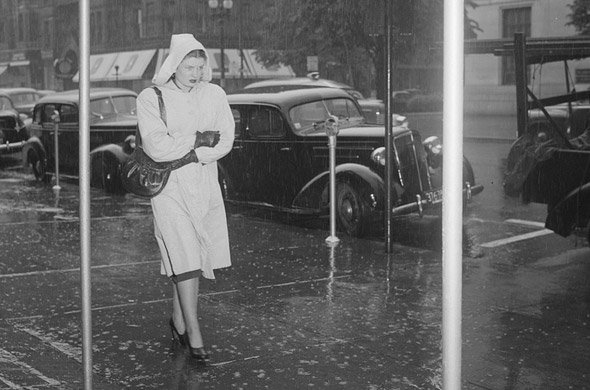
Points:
(351, 210)
(105, 174)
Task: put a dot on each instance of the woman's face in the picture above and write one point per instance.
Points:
(190, 71)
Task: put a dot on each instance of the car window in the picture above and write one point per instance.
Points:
(68, 113)
(44, 114)
(265, 122)
(100, 108)
(237, 120)
(125, 104)
(20, 99)
(5, 103)
(310, 117)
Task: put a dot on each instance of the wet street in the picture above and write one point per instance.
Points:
(292, 313)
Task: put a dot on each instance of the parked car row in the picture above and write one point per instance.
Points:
(16, 111)
(280, 157)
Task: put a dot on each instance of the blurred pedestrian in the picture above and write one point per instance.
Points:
(189, 216)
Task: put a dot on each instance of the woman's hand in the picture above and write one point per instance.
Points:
(207, 138)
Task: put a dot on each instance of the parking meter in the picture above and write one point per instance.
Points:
(331, 127)
(56, 119)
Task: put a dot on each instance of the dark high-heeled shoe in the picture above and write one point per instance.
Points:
(181, 338)
(199, 354)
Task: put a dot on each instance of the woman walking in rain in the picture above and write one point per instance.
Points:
(189, 216)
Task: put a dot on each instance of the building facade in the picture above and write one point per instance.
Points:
(39, 41)
(489, 80)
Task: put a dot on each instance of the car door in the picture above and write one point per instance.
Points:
(233, 174)
(272, 161)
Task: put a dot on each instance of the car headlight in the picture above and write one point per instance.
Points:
(378, 156)
(433, 148)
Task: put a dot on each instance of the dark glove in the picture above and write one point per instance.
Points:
(207, 138)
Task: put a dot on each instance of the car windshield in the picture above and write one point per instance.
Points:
(22, 99)
(5, 103)
(107, 107)
(310, 117)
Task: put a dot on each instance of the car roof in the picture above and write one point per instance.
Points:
(277, 85)
(17, 90)
(72, 96)
(289, 98)
(299, 81)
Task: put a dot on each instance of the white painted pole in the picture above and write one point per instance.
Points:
(56, 121)
(452, 212)
(84, 174)
(332, 131)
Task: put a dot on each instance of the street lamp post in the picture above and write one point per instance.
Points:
(222, 10)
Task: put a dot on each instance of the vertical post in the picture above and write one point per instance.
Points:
(117, 76)
(56, 121)
(332, 132)
(388, 126)
(520, 77)
(222, 48)
(452, 210)
(84, 174)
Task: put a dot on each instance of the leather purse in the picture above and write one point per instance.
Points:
(143, 176)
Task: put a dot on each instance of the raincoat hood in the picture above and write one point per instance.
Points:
(180, 46)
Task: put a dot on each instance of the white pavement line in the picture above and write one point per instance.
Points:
(301, 282)
(521, 237)
(57, 271)
(7, 357)
(65, 348)
(525, 222)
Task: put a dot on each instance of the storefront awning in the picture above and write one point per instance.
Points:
(127, 65)
(232, 63)
(262, 72)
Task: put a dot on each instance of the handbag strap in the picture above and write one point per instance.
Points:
(138, 142)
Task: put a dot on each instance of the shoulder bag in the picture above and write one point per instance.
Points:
(142, 175)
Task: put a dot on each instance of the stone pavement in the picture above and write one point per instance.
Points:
(291, 313)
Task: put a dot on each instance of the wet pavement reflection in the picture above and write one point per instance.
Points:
(290, 313)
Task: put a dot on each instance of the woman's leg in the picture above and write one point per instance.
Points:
(188, 293)
(177, 315)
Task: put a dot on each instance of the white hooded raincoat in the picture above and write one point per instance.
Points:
(189, 216)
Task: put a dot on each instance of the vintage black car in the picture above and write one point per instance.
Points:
(12, 126)
(373, 109)
(112, 127)
(24, 99)
(280, 159)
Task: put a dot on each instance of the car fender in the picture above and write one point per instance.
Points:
(33, 143)
(315, 194)
(570, 212)
(113, 149)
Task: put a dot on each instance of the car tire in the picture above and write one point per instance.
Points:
(105, 173)
(351, 210)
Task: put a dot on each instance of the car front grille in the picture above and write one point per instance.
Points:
(412, 165)
(7, 123)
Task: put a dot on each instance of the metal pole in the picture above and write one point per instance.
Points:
(84, 174)
(452, 210)
(520, 77)
(388, 127)
(56, 121)
(332, 131)
(222, 38)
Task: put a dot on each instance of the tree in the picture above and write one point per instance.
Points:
(580, 16)
(336, 31)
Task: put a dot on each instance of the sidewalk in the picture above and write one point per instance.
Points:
(290, 313)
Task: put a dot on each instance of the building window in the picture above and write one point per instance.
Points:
(514, 20)
(21, 27)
